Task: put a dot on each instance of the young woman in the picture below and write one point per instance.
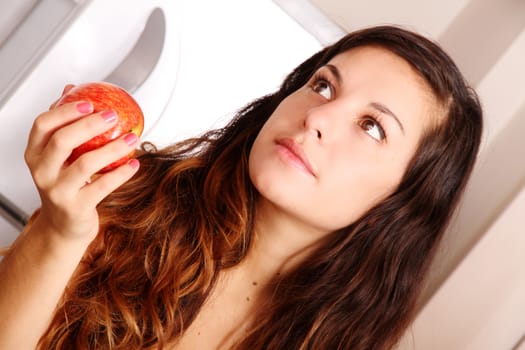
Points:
(308, 222)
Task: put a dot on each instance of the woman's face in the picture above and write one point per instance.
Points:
(341, 143)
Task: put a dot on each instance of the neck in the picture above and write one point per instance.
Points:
(281, 241)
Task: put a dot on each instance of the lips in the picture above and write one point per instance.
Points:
(296, 155)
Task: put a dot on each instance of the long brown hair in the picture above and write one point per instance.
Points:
(167, 233)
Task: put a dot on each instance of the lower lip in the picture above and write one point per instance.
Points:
(290, 158)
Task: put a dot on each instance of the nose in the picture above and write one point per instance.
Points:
(319, 121)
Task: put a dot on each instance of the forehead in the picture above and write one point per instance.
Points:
(376, 61)
(383, 75)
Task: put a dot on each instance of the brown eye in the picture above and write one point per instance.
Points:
(373, 128)
(323, 88)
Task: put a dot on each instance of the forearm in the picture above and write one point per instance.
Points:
(33, 277)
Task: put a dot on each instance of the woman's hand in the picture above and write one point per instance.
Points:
(41, 261)
(69, 192)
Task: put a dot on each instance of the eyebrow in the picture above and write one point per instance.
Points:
(384, 109)
(335, 72)
(376, 105)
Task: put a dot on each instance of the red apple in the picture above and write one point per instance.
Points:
(106, 96)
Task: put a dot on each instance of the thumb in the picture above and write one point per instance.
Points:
(66, 89)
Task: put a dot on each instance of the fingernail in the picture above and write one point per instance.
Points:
(67, 87)
(133, 163)
(85, 107)
(130, 138)
(109, 116)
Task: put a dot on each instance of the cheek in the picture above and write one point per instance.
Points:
(357, 187)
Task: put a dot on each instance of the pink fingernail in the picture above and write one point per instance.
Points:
(133, 163)
(85, 107)
(64, 90)
(109, 116)
(130, 138)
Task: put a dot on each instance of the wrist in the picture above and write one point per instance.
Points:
(55, 243)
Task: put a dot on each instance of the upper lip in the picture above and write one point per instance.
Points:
(297, 150)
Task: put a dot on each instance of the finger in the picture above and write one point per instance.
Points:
(66, 89)
(48, 122)
(96, 191)
(64, 140)
(82, 169)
